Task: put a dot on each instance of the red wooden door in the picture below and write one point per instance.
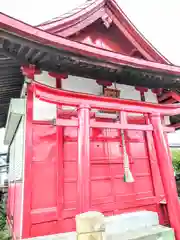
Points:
(108, 192)
(54, 176)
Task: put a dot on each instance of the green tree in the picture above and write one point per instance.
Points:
(4, 235)
(176, 160)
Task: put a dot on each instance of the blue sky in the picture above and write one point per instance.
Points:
(158, 20)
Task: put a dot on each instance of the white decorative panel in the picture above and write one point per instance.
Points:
(150, 97)
(167, 120)
(17, 154)
(79, 84)
(11, 174)
(19, 149)
(17, 109)
(44, 78)
(43, 110)
(85, 85)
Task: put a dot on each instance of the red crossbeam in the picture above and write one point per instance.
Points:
(61, 97)
(94, 124)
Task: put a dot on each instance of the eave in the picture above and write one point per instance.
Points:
(11, 81)
(30, 45)
(171, 97)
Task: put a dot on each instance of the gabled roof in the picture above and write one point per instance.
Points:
(71, 23)
(13, 28)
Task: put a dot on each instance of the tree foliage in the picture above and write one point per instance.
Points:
(4, 235)
(2, 217)
(176, 159)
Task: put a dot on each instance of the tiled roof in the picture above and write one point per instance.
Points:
(11, 81)
(55, 21)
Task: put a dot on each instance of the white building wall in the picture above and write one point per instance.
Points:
(43, 110)
(47, 111)
(19, 151)
(79, 84)
(16, 164)
(17, 154)
(11, 173)
(150, 97)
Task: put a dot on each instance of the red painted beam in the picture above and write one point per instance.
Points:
(169, 97)
(28, 164)
(116, 125)
(168, 129)
(60, 97)
(104, 83)
(176, 96)
(66, 122)
(170, 101)
(83, 187)
(175, 126)
(29, 71)
(58, 75)
(165, 96)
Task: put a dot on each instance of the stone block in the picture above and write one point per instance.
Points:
(91, 236)
(90, 222)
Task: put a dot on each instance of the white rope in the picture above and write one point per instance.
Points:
(127, 172)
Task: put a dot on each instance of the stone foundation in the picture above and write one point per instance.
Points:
(130, 226)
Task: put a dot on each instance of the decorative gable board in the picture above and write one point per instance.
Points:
(98, 15)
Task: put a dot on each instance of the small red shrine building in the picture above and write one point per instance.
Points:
(87, 132)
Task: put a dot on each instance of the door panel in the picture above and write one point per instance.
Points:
(54, 190)
(106, 155)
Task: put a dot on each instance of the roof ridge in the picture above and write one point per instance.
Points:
(68, 13)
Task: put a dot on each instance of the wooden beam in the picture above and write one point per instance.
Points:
(30, 54)
(22, 51)
(38, 56)
(91, 67)
(175, 125)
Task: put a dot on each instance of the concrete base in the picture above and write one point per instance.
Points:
(147, 233)
(142, 225)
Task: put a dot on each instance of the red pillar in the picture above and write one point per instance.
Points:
(167, 174)
(83, 188)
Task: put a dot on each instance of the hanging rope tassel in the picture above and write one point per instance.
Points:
(128, 177)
